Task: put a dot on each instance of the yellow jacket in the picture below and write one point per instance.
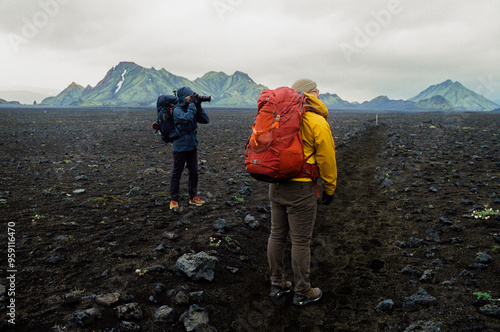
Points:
(318, 142)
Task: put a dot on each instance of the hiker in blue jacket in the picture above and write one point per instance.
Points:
(187, 114)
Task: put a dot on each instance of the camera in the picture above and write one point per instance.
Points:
(205, 98)
(197, 98)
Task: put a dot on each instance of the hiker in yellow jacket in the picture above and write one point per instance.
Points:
(294, 203)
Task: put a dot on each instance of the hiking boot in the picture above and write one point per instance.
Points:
(196, 201)
(174, 205)
(312, 295)
(277, 291)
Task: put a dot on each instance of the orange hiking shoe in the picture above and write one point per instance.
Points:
(196, 201)
(312, 295)
(174, 205)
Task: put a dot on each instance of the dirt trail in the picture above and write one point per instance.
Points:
(350, 238)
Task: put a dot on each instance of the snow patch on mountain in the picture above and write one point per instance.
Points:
(119, 85)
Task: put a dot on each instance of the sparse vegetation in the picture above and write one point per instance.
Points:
(485, 214)
(107, 199)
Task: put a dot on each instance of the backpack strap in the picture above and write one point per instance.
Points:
(311, 171)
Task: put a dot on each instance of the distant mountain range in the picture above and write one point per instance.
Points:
(129, 84)
(5, 102)
(459, 96)
(446, 97)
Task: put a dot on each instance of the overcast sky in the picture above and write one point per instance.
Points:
(356, 49)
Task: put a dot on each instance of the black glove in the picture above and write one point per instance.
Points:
(326, 199)
(195, 98)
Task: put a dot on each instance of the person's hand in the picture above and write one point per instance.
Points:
(195, 98)
(326, 199)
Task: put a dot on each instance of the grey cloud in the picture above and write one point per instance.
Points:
(275, 42)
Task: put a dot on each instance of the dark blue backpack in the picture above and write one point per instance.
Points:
(165, 123)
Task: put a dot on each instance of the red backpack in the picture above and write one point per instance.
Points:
(275, 152)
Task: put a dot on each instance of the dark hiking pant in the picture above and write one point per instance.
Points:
(189, 158)
(293, 212)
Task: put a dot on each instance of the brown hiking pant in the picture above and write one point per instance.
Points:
(293, 211)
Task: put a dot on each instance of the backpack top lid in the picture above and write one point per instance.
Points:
(282, 96)
(165, 101)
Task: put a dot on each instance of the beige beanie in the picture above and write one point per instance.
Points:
(304, 85)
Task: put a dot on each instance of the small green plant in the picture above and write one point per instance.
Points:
(239, 199)
(58, 328)
(495, 248)
(214, 242)
(78, 291)
(486, 296)
(486, 214)
(105, 200)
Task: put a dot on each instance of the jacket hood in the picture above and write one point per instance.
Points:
(184, 92)
(315, 105)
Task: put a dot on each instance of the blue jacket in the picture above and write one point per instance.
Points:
(186, 118)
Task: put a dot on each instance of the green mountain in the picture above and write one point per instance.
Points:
(5, 102)
(67, 97)
(383, 103)
(238, 89)
(436, 103)
(131, 85)
(459, 96)
(333, 101)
